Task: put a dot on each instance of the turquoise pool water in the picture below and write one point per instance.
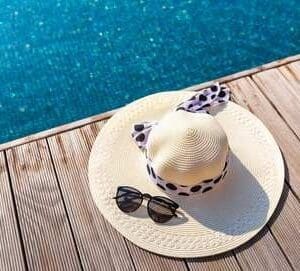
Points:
(61, 61)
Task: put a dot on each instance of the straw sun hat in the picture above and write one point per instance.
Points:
(206, 153)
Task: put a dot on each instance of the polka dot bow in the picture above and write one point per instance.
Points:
(198, 103)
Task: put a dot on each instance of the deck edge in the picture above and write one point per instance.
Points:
(108, 114)
(57, 130)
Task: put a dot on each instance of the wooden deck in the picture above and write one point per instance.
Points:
(49, 222)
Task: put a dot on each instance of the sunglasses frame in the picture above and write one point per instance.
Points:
(173, 205)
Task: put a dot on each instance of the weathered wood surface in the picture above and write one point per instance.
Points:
(46, 233)
(11, 255)
(48, 220)
(93, 235)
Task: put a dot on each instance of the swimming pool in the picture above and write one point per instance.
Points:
(65, 60)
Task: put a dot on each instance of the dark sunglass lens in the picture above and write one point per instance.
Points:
(159, 210)
(128, 199)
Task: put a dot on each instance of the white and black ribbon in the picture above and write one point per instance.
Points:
(206, 99)
(170, 187)
(140, 133)
(201, 102)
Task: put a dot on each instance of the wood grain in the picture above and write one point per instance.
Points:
(144, 260)
(285, 227)
(243, 93)
(247, 94)
(294, 68)
(292, 76)
(262, 253)
(100, 247)
(225, 261)
(282, 95)
(11, 257)
(45, 229)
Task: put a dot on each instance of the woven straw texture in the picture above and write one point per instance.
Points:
(209, 224)
(186, 148)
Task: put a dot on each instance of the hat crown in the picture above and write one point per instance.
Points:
(187, 148)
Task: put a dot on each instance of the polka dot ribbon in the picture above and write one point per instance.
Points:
(205, 99)
(198, 103)
(201, 102)
(182, 190)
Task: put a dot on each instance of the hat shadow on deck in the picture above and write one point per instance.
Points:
(235, 207)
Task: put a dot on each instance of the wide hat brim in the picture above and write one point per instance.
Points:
(208, 224)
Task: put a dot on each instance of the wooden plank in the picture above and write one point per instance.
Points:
(292, 76)
(11, 257)
(282, 95)
(144, 260)
(257, 252)
(56, 130)
(262, 253)
(44, 225)
(294, 68)
(220, 262)
(248, 72)
(286, 227)
(105, 115)
(99, 245)
(247, 94)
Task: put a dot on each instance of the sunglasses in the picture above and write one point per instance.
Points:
(160, 209)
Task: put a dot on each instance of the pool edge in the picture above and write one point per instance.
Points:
(108, 114)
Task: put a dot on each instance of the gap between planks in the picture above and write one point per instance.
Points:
(64, 204)
(45, 233)
(12, 255)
